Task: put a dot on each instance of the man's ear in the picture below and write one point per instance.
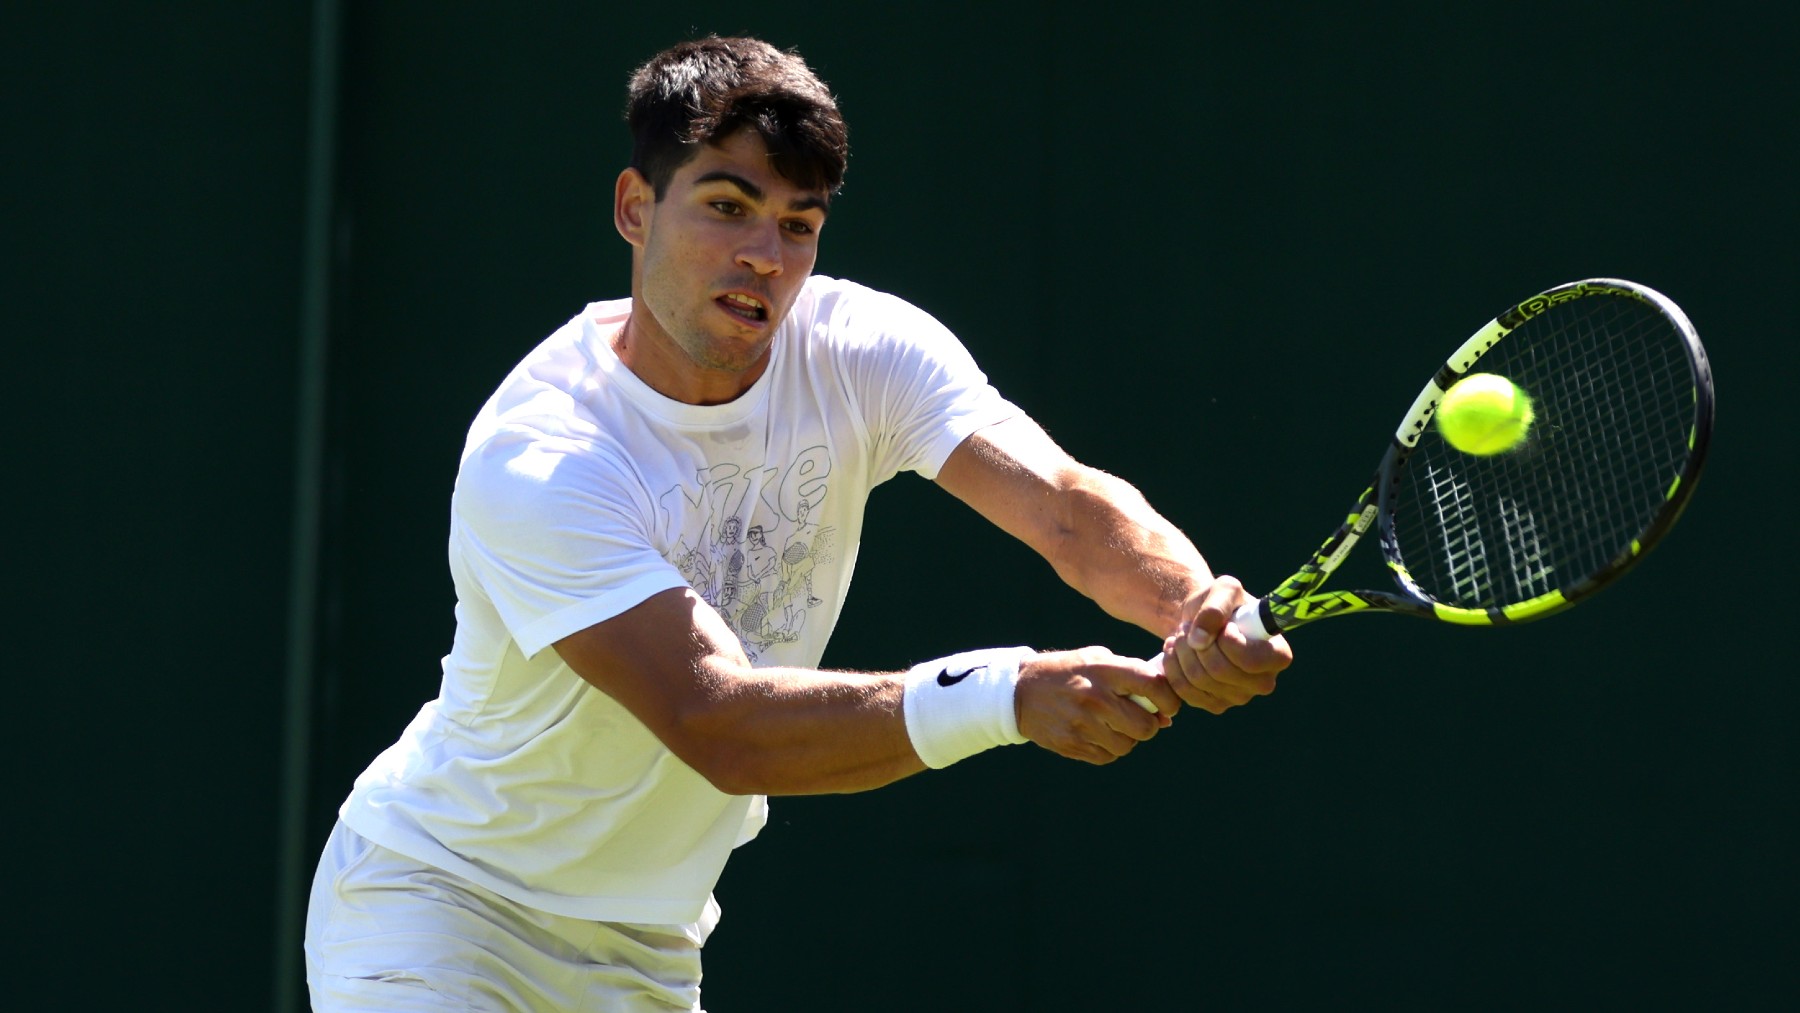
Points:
(634, 203)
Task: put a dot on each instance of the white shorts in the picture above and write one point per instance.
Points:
(390, 934)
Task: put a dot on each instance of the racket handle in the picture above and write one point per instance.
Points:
(1143, 701)
(1248, 617)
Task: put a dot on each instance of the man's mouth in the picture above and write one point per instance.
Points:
(744, 306)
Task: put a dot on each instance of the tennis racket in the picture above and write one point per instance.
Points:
(1622, 398)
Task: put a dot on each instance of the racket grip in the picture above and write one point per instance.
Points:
(1143, 701)
(1248, 617)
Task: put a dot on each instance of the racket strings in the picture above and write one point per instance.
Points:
(1464, 552)
(1613, 399)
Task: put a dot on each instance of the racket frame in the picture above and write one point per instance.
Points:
(1299, 599)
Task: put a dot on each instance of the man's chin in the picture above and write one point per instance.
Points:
(734, 356)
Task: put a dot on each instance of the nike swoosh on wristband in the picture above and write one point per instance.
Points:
(946, 679)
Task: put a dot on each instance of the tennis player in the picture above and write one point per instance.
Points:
(652, 533)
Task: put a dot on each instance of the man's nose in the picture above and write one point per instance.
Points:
(761, 251)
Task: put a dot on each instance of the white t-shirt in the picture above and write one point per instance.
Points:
(581, 493)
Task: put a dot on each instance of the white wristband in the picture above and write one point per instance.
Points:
(958, 706)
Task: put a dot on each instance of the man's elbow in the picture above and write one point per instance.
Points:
(713, 742)
(732, 770)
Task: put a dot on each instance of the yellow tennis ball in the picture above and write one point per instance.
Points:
(1484, 414)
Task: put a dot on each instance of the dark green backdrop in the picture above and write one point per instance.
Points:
(1214, 251)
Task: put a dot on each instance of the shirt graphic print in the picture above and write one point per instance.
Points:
(747, 543)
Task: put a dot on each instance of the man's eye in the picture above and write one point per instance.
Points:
(726, 207)
(799, 227)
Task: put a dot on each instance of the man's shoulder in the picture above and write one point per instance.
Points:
(826, 291)
(516, 457)
(523, 479)
(851, 314)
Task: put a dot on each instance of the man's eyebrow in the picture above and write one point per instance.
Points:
(755, 193)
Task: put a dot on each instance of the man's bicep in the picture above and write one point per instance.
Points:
(1095, 530)
(662, 659)
(1013, 474)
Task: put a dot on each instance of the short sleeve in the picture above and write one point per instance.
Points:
(555, 534)
(920, 391)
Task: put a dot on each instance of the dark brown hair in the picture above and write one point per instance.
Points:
(704, 90)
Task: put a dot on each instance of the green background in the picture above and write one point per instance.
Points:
(263, 262)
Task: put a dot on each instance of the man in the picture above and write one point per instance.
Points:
(546, 834)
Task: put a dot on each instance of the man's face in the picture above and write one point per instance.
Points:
(723, 256)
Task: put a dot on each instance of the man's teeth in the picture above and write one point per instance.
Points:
(745, 302)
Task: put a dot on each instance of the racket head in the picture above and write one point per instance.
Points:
(1622, 397)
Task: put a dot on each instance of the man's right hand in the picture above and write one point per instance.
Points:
(1078, 703)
